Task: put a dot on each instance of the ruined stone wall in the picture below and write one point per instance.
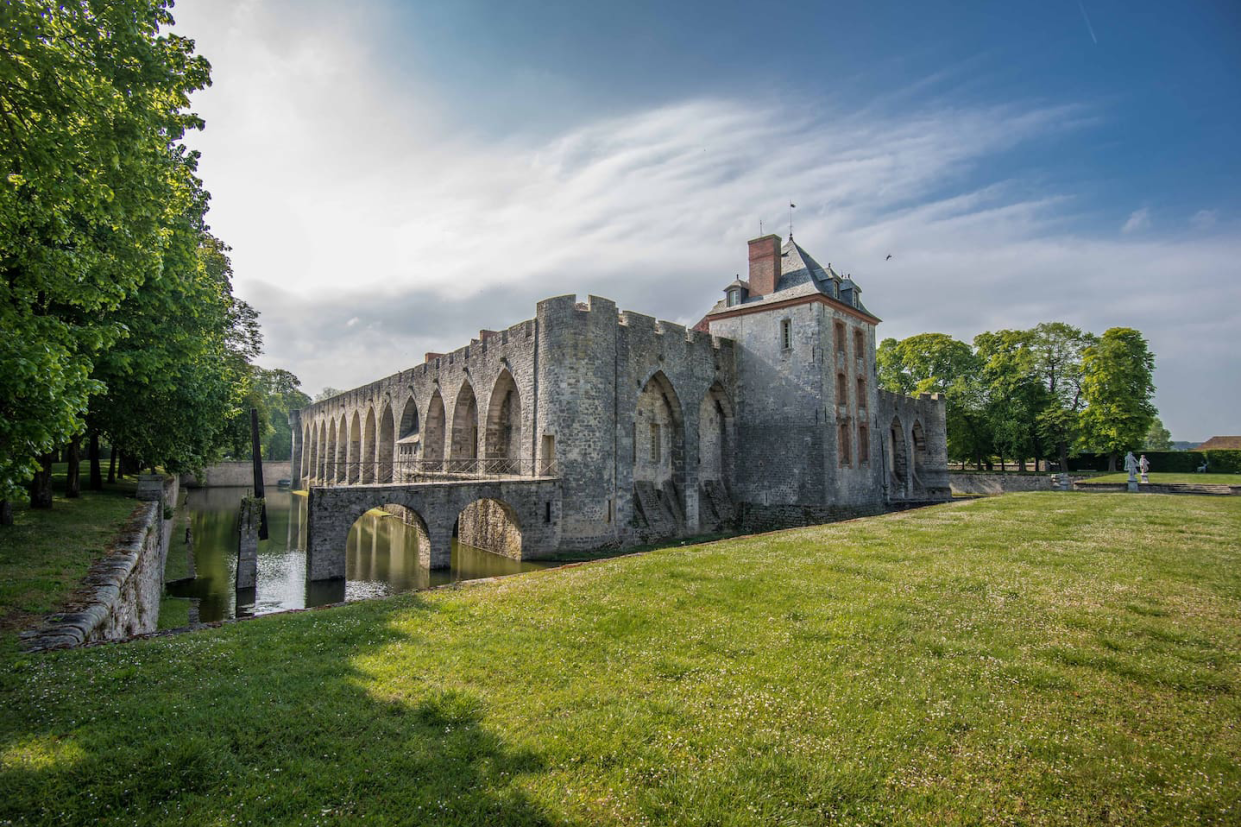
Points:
(238, 475)
(120, 595)
(915, 446)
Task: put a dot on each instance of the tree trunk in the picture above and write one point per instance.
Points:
(1064, 456)
(1111, 463)
(1003, 467)
(73, 472)
(6, 512)
(41, 485)
(96, 477)
(112, 464)
(1021, 463)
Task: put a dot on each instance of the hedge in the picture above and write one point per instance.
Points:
(1171, 462)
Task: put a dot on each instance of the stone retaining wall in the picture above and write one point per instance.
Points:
(120, 595)
(238, 475)
(974, 483)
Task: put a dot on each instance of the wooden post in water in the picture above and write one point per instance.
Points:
(258, 470)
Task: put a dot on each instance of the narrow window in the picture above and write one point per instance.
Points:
(859, 345)
(656, 443)
(609, 510)
(840, 337)
(846, 454)
(861, 391)
(863, 444)
(549, 456)
(635, 443)
(547, 512)
(842, 390)
(786, 334)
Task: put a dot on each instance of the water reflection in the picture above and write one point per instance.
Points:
(381, 558)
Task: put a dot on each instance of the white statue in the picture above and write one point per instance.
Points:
(1131, 465)
(1144, 466)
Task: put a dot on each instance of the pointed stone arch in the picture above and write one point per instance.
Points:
(409, 419)
(354, 461)
(387, 444)
(659, 456)
(898, 459)
(716, 436)
(434, 434)
(918, 438)
(321, 454)
(309, 432)
(368, 446)
(463, 449)
(332, 449)
(342, 449)
(503, 438)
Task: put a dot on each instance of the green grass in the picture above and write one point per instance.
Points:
(45, 553)
(1027, 659)
(1194, 479)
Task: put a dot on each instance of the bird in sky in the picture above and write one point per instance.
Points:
(889, 257)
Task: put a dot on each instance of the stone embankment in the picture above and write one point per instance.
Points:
(968, 482)
(119, 597)
(238, 475)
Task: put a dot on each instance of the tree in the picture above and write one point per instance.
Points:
(93, 104)
(281, 391)
(1058, 350)
(184, 359)
(937, 363)
(327, 393)
(1117, 386)
(1158, 438)
(1015, 395)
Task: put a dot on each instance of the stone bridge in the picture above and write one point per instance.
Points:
(516, 516)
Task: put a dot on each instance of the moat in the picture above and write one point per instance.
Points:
(381, 559)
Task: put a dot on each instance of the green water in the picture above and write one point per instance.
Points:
(381, 559)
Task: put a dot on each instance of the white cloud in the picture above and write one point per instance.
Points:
(1138, 220)
(369, 223)
(1204, 219)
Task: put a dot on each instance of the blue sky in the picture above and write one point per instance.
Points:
(394, 176)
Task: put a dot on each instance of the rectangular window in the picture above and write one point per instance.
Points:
(859, 344)
(786, 334)
(861, 391)
(656, 443)
(842, 390)
(845, 446)
(863, 444)
(549, 455)
(840, 338)
(547, 512)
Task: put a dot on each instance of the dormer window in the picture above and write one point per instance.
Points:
(734, 296)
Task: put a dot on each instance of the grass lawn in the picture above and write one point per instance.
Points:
(1193, 479)
(44, 554)
(1028, 659)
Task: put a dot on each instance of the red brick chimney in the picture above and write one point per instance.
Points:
(764, 265)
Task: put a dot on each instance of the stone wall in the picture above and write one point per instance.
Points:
(238, 475)
(983, 483)
(490, 525)
(120, 595)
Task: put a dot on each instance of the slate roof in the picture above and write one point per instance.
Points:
(1221, 443)
(801, 275)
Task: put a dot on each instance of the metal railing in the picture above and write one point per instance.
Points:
(404, 471)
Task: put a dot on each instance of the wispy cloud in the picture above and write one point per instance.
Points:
(1086, 18)
(370, 223)
(1137, 221)
(1204, 219)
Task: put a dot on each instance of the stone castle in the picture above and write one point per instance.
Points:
(586, 427)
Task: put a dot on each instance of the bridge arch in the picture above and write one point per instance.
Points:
(377, 540)
(308, 451)
(503, 435)
(464, 447)
(321, 454)
(386, 445)
(492, 525)
(342, 449)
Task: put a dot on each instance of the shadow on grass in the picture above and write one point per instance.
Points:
(275, 724)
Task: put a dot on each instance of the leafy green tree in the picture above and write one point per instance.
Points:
(937, 363)
(184, 360)
(327, 393)
(93, 104)
(1158, 438)
(282, 391)
(1058, 349)
(1118, 387)
(1015, 395)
